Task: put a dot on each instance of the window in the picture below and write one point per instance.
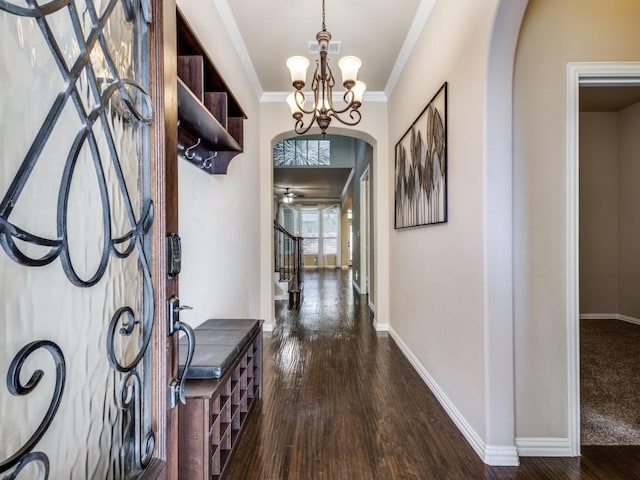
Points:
(288, 220)
(302, 152)
(330, 231)
(310, 220)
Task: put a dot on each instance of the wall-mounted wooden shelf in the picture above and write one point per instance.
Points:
(195, 118)
(210, 131)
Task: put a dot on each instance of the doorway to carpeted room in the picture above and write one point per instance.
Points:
(609, 382)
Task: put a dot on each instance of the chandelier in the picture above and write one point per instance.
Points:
(323, 110)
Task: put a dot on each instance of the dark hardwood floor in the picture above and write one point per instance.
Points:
(342, 402)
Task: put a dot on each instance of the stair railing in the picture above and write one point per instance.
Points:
(288, 258)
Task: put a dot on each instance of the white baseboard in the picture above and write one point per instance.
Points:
(609, 316)
(491, 455)
(501, 456)
(279, 288)
(356, 286)
(267, 327)
(345, 267)
(380, 327)
(627, 318)
(544, 447)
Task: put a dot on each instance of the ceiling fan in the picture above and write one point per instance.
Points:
(288, 195)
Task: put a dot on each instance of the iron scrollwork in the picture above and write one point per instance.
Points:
(135, 105)
(24, 455)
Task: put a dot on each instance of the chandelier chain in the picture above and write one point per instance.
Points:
(324, 29)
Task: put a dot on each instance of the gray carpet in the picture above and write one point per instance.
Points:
(609, 382)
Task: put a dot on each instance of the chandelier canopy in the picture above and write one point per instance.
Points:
(323, 110)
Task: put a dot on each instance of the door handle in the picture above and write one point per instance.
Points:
(176, 385)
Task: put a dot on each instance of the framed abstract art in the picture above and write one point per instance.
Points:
(421, 167)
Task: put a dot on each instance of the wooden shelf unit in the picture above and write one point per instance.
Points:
(210, 129)
(211, 422)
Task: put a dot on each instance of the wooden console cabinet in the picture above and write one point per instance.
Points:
(211, 422)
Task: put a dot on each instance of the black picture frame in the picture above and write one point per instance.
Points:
(421, 169)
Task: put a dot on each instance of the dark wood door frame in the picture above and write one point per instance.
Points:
(164, 175)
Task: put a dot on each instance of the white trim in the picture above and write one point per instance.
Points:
(347, 183)
(491, 455)
(374, 97)
(365, 230)
(345, 267)
(267, 327)
(497, 230)
(372, 307)
(281, 97)
(380, 327)
(419, 20)
(501, 456)
(230, 24)
(573, 362)
(598, 316)
(581, 73)
(282, 287)
(274, 97)
(627, 318)
(609, 316)
(544, 447)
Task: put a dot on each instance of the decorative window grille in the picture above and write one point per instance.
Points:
(288, 153)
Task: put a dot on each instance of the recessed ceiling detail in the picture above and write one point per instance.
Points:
(378, 44)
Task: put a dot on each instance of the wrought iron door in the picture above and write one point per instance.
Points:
(75, 215)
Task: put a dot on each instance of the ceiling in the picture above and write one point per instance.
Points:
(608, 99)
(267, 33)
(316, 184)
(278, 29)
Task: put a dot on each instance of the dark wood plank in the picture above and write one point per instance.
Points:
(342, 402)
(216, 103)
(193, 441)
(196, 118)
(235, 126)
(191, 72)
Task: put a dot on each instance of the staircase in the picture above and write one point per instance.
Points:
(288, 262)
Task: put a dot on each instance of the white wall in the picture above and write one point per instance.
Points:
(553, 34)
(598, 212)
(628, 218)
(219, 217)
(437, 272)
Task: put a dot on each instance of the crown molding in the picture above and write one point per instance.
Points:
(422, 13)
(229, 22)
